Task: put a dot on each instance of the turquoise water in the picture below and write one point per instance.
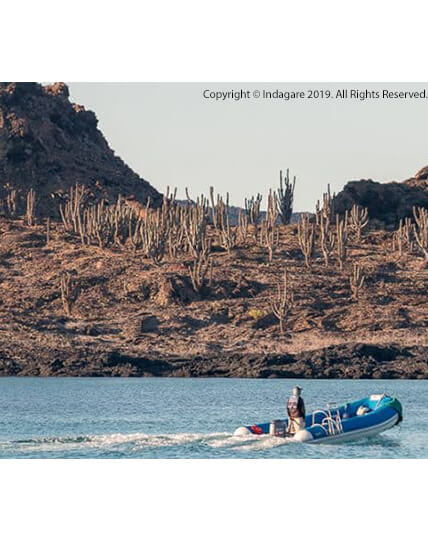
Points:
(188, 418)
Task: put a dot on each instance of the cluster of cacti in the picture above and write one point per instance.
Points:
(409, 234)
(402, 238)
(305, 233)
(358, 219)
(227, 234)
(12, 203)
(329, 238)
(285, 197)
(356, 281)
(252, 208)
(269, 232)
(151, 235)
(105, 225)
(325, 213)
(194, 219)
(283, 301)
(71, 210)
(176, 236)
(201, 266)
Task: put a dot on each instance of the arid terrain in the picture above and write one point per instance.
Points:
(95, 281)
(131, 317)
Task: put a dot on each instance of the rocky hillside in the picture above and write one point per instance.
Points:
(48, 143)
(387, 203)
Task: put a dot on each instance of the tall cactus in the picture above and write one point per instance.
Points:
(306, 238)
(341, 240)
(272, 209)
(421, 230)
(285, 196)
(356, 281)
(283, 301)
(242, 227)
(269, 238)
(326, 211)
(200, 266)
(252, 208)
(67, 293)
(403, 237)
(326, 237)
(30, 215)
(12, 202)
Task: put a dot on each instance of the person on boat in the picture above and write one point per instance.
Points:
(296, 411)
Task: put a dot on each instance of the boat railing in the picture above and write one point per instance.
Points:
(331, 424)
(316, 412)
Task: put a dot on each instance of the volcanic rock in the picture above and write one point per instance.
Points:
(387, 202)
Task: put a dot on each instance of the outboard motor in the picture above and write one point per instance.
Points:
(277, 428)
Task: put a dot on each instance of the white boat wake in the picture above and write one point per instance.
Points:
(138, 441)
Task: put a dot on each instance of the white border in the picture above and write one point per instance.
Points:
(223, 40)
(211, 497)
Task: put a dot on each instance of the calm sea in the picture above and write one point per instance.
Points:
(188, 418)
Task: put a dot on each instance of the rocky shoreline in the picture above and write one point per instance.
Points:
(344, 361)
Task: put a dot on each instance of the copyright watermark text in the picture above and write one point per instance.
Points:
(309, 94)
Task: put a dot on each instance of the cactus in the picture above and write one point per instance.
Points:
(242, 227)
(227, 234)
(341, 240)
(71, 211)
(156, 237)
(269, 238)
(421, 230)
(48, 231)
(195, 227)
(31, 208)
(200, 266)
(68, 294)
(252, 208)
(356, 281)
(272, 209)
(326, 237)
(358, 219)
(306, 238)
(12, 203)
(283, 302)
(285, 197)
(326, 212)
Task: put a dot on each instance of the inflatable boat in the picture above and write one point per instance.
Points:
(354, 420)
